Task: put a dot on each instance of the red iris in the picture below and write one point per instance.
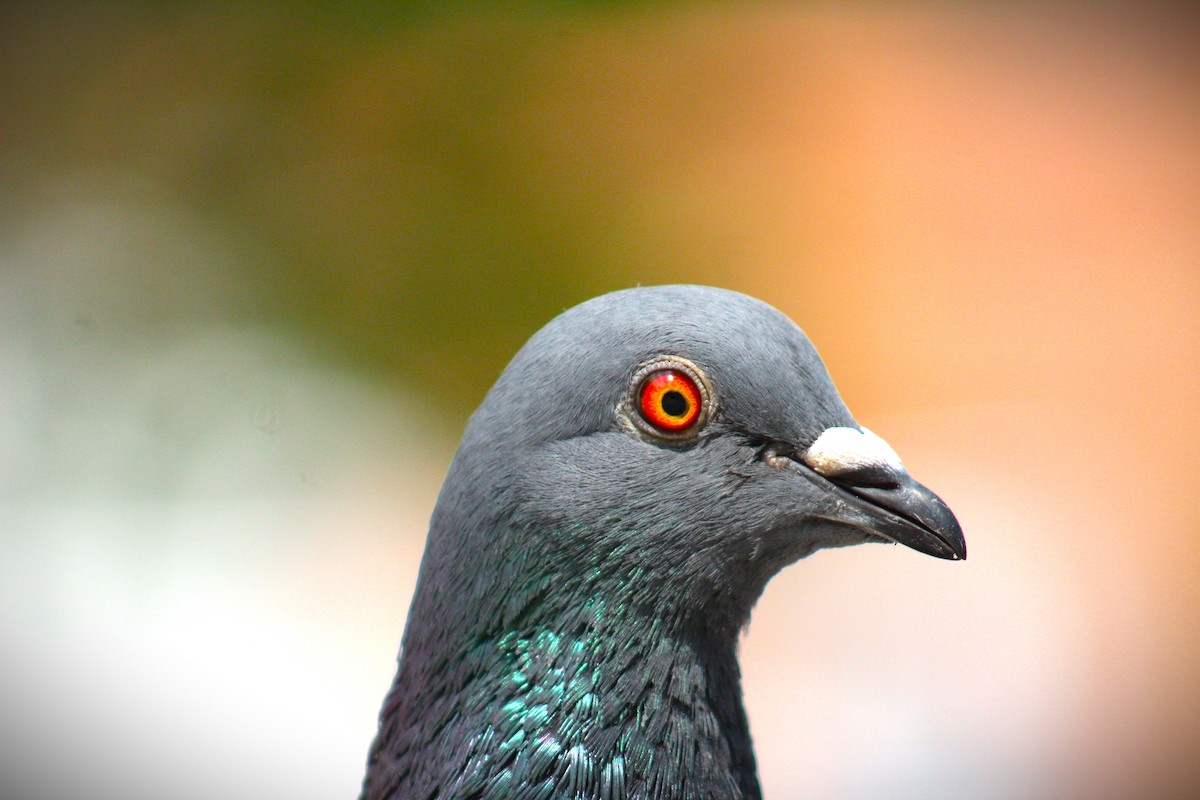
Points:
(670, 400)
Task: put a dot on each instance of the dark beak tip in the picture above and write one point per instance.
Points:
(950, 542)
(914, 516)
(942, 549)
(954, 542)
(958, 543)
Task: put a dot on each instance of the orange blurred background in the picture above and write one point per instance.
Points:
(258, 264)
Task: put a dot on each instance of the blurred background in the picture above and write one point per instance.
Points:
(259, 261)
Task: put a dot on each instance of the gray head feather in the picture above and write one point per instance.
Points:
(586, 574)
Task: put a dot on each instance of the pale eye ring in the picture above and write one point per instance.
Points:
(669, 398)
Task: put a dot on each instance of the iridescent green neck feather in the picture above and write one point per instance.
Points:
(594, 704)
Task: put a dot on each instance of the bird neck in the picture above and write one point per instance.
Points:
(597, 700)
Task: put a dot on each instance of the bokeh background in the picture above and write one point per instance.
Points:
(259, 261)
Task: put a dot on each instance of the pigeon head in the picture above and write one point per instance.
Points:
(669, 448)
(639, 471)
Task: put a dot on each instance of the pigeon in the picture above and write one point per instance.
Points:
(619, 500)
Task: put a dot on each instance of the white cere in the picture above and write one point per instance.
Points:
(839, 450)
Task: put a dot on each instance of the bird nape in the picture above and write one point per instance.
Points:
(640, 470)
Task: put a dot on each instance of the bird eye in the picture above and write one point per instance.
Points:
(669, 398)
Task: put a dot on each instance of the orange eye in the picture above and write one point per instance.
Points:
(670, 400)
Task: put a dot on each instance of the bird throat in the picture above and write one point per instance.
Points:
(574, 710)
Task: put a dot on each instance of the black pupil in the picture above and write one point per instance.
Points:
(674, 404)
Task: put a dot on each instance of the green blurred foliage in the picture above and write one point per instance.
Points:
(385, 165)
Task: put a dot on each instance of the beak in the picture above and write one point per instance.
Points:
(862, 469)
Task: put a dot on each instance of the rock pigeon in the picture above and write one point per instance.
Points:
(618, 502)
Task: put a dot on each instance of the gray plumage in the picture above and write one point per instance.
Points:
(573, 631)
